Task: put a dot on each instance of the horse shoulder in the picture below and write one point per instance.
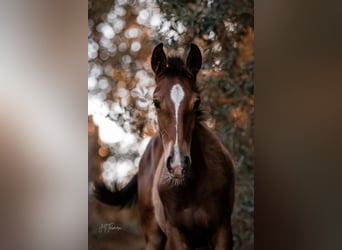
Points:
(149, 174)
(219, 162)
(147, 168)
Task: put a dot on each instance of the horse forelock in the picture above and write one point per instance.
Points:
(176, 68)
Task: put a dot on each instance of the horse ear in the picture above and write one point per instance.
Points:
(158, 60)
(194, 60)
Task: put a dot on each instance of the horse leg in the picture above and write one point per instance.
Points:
(154, 237)
(175, 239)
(155, 240)
(223, 239)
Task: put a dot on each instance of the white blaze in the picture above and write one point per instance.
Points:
(177, 95)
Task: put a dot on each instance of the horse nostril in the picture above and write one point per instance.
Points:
(186, 164)
(168, 164)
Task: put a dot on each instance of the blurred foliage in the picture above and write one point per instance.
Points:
(120, 39)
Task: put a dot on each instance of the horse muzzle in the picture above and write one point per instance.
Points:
(179, 168)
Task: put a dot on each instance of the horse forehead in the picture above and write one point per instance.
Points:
(177, 93)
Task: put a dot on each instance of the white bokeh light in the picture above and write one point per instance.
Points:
(156, 20)
(107, 31)
(135, 46)
(143, 16)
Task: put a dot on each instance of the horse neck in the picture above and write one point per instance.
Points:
(197, 146)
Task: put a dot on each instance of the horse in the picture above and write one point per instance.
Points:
(185, 183)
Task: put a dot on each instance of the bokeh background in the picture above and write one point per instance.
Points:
(121, 117)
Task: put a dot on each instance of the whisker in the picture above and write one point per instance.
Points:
(168, 179)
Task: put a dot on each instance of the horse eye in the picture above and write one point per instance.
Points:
(197, 105)
(156, 104)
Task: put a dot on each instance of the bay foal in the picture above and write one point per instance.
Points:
(185, 182)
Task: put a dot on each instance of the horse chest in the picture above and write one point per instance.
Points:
(190, 213)
(193, 217)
